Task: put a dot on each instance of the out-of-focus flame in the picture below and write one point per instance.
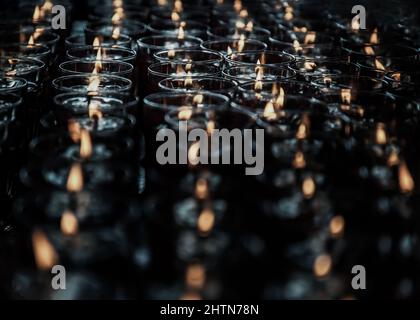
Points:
(304, 127)
(36, 16)
(94, 110)
(346, 96)
(229, 50)
(178, 7)
(185, 114)
(309, 65)
(188, 82)
(374, 37)
(181, 33)
(336, 226)
(379, 65)
(195, 276)
(75, 178)
(175, 17)
(299, 161)
(296, 46)
(205, 221)
(45, 254)
(198, 99)
(310, 38)
(85, 144)
(74, 130)
(288, 13)
(116, 32)
(96, 42)
(193, 152)
(355, 25)
(249, 26)
(201, 189)
(393, 158)
(279, 102)
(171, 53)
(322, 265)
(269, 111)
(405, 179)
(369, 50)
(380, 134)
(31, 41)
(241, 43)
(308, 187)
(69, 225)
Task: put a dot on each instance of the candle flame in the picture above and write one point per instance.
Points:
(299, 161)
(198, 99)
(296, 46)
(303, 129)
(405, 179)
(193, 152)
(379, 65)
(374, 37)
(308, 187)
(205, 221)
(45, 254)
(380, 134)
(74, 130)
(175, 17)
(178, 7)
(96, 42)
(195, 276)
(47, 6)
(396, 76)
(94, 110)
(85, 144)
(393, 158)
(309, 65)
(69, 224)
(188, 82)
(288, 13)
(36, 15)
(249, 26)
(259, 71)
(346, 96)
(201, 189)
(241, 43)
(116, 33)
(94, 83)
(279, 102)
(336, 226)
(310, 37)
(369, 51)
(211, 125)
(229, 50)
(118, 16)
(237, 6)
(322, 265)
(75, 178)
(269, 111)
(181, 33)
(171, 53)
(185, 114)
(355, 25)
(31, 41)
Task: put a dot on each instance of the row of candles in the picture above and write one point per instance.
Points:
(79, 180)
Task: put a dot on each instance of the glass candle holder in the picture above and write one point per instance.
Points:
(200, 83)
(158, 13)
(133, 29)
(158, 104)
(335, 83)
(227, 45)
(247, 73)
(73, 104)
(116, 68)
(319, 51)
(63, 146)
(266, 108)
(222, 33)
(29, 69)
(190, 55)
(39, 36)
(309, 68)
(19, 50)
(13, 85)
(267, 89)
(170, 27)
(264, 58)
(130, 11)
(380, 51)
(303, 36)
(90, 53)
(101, 176)
(163, 70)
(83, 83)
(405, 83)
(79, 40)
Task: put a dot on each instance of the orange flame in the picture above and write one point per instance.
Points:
(69, 225)
(75, 178)
(45, 255)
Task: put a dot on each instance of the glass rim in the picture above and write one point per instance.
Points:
(129, 66)
(181, 78)
(148, 100)
(168, 63)
(198, 50)
(142, 44)
(38, 63)
(128, 83)
(131, 54)
(23, 83)
(271, 52)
